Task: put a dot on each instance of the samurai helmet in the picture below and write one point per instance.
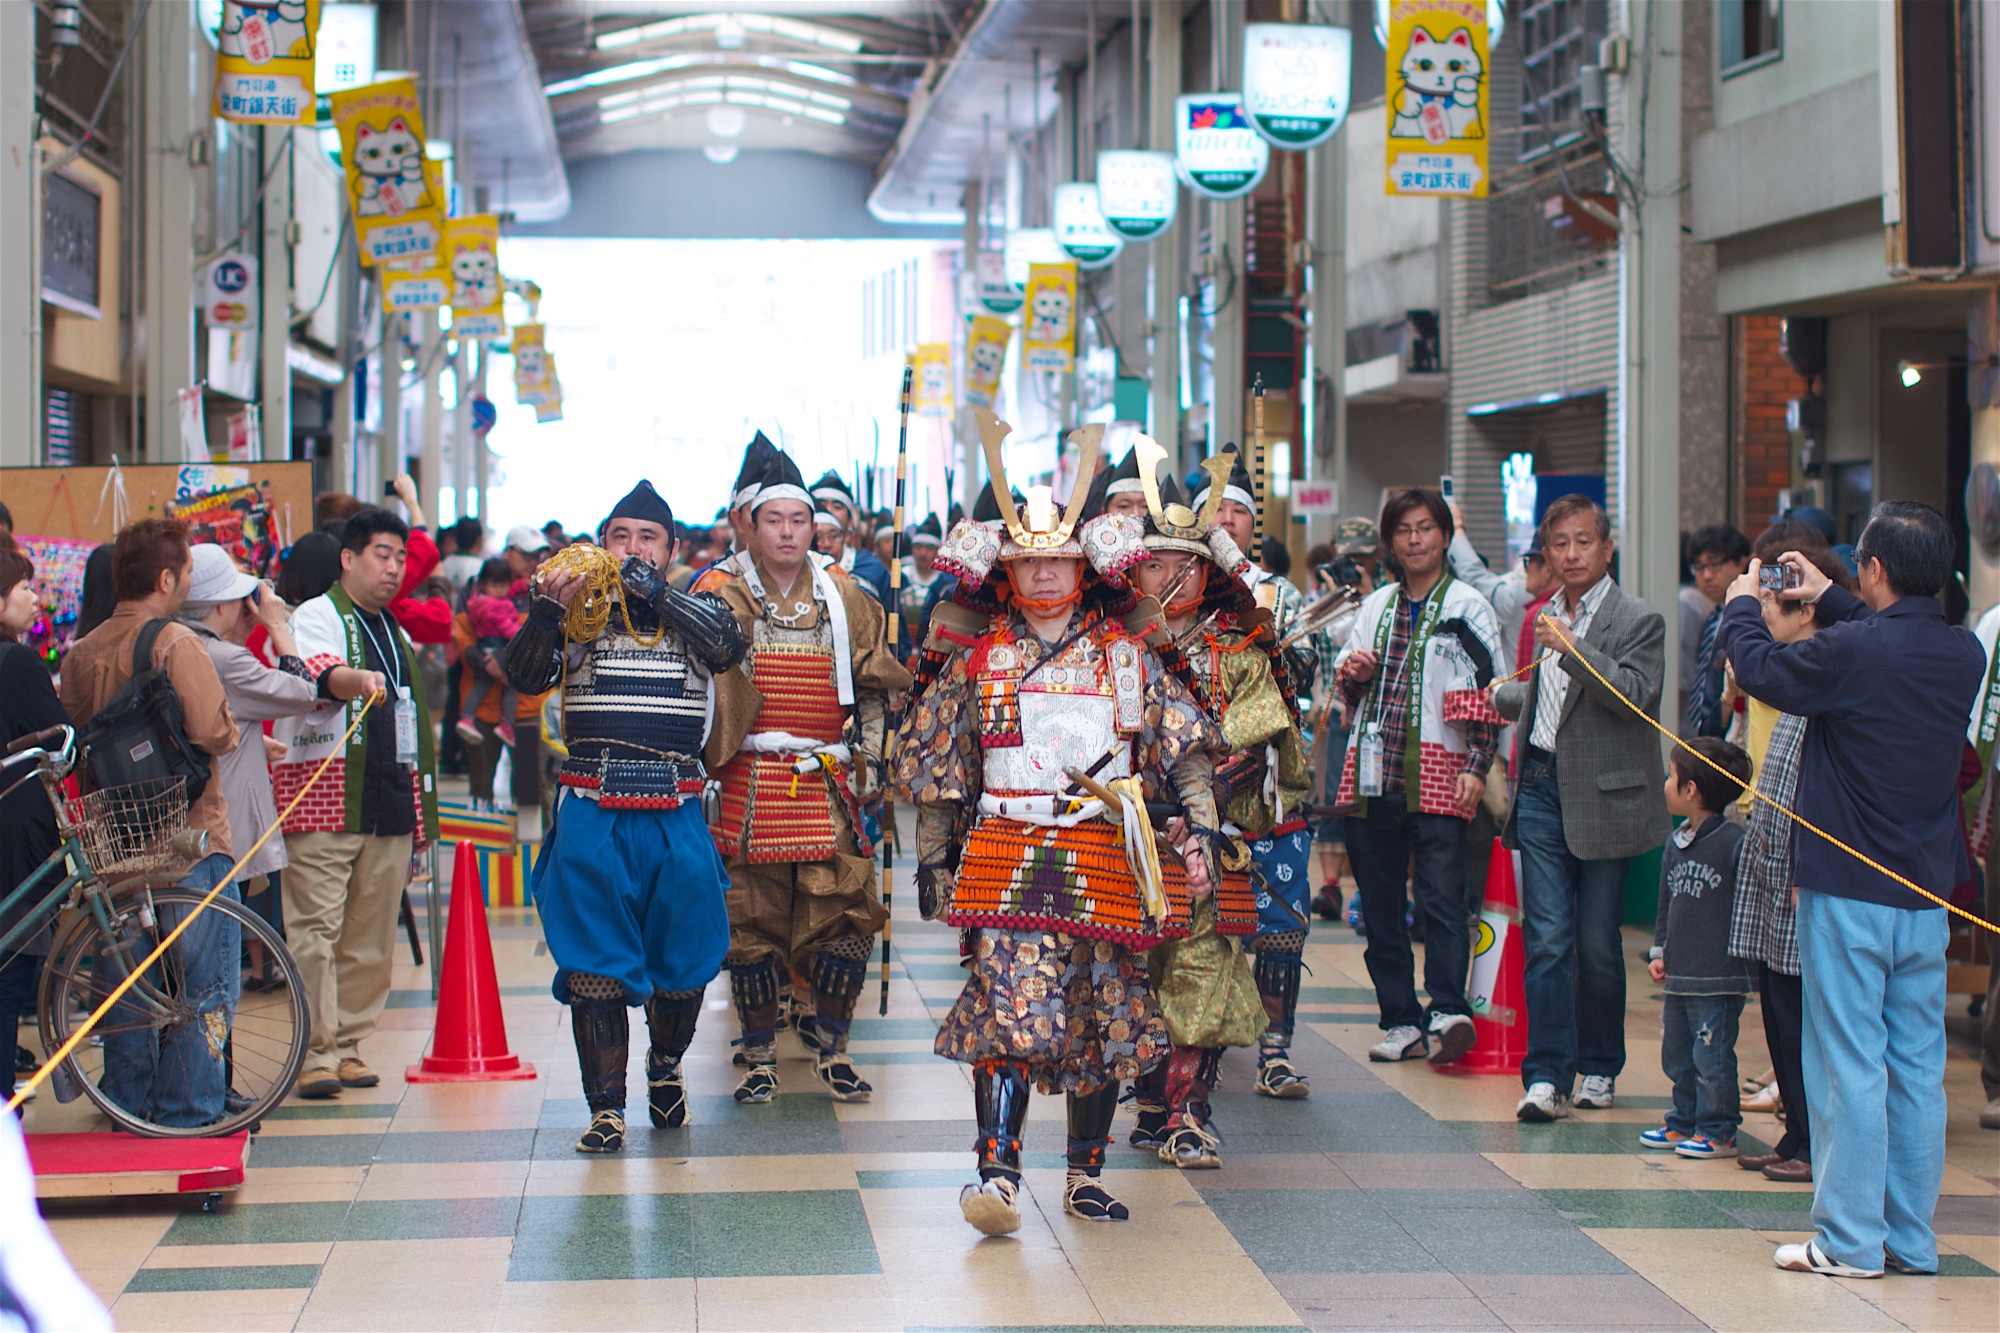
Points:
(1036, 527)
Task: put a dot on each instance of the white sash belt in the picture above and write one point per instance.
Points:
(1044, 810)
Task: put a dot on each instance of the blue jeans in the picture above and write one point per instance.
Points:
(177, 1076)
(1698, 1052)
(1873, 1057)
(1570, 913)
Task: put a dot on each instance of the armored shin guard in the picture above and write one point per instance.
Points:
(1149, 1099)
(670, 1019)
(837, 972)
(1191, 1072)
(754, 988)
(1278, 983)
(1000, 1101)
(603, 1033)
(1090, 1116)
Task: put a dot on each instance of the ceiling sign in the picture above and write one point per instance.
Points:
(997, 292)
(1221, 155)
(1080, 227)
(1137, 192)
(1295, 81)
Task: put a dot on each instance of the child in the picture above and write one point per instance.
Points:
(1705, 986)
(494, 622)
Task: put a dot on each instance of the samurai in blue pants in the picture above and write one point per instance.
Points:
(1280, 871)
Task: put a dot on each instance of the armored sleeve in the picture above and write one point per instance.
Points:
(534, 656)
(705, 625)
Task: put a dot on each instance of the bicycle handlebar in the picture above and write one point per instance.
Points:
(44, 738)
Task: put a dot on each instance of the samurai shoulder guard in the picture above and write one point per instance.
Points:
(534, 656)
(706, 625)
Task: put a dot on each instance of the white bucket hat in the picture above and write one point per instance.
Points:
(216, 579)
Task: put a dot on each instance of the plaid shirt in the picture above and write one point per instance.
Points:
(1761, 920)
(1392, 704)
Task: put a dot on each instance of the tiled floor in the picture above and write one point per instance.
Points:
(1395, 1197)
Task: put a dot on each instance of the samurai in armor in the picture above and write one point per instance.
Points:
(920, 575)
(1281, 856)
(797, 748)
(1059, 894)
(629, 886)
(1211, 629)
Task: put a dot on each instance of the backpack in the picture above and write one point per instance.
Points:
(140, 734)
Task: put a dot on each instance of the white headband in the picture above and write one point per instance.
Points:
(834, 494)
(1126, 486)
(822, 519)
(1236, 493)
(782, 491)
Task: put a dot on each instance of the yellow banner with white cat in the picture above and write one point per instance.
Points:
(931, 395)
(534, 368)
(398, 213)
(264, 62)
(423, 283)
(1048, 318)
(1439, 95)
(472, 254)
(986, 340)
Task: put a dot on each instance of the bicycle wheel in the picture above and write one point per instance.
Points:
(171, 1043)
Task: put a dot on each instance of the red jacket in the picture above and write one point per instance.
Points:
(425, 619)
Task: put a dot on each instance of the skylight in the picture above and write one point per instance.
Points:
(810, 34)
(735, 89)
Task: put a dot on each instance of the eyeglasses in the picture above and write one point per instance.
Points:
(1709, 566)
(1418, 530)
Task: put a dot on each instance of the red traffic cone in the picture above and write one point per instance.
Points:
(470, 1045)
(1498, 993)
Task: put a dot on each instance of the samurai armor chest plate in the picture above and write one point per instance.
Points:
(633, 721)
(1061, 727)
(770, 812)
(1073, 880)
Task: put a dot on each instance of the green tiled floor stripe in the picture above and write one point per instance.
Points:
(253, 1277)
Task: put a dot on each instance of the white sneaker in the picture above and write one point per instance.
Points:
(1542, 1104)
(1400, 1043)
(1454, 1033)
(1594, 1092)
(1807, 1257)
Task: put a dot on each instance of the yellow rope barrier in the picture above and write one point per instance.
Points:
(1863, 857)
(118, 992)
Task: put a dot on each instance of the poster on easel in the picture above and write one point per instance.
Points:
(264, 62)
(397, 212)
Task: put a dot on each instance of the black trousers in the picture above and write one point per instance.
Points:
(1782, 999)
(1379, 847)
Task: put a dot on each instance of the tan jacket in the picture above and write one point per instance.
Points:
(101, 661)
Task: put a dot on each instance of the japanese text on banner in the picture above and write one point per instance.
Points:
(397, 212)
(264, 62)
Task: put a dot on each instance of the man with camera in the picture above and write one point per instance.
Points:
(1889, 680)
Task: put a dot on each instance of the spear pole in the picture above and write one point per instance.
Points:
(895, 634)
(1258, 468)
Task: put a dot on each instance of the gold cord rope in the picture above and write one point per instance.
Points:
(589, 613)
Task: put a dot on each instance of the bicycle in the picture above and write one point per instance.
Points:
(109, 890)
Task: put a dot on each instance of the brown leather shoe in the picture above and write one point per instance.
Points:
(319, 1082)
(1797, 1171)
(354, 1074)
(1757, 1161)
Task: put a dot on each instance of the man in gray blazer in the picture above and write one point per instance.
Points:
(1588, 796)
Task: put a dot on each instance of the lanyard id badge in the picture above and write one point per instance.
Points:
(1368, 762)
(406, 727)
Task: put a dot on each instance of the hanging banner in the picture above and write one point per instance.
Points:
(1080, 227)
(472, 257)
(1438, 91)
(1295, 81)
(230, 296)
(1219, 153)
(986, 341)
(397, 214)
(996, 292)
(264, 62)
(415, 287)
(534, 368)
(1048, 339)
(1027, 246)
(549, 401)
(932, 390)
(1137, 192)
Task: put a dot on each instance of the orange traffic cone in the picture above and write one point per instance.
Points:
(1499, 998)
(471, 1041)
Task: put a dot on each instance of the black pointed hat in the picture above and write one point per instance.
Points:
(645, 504)
(1239, 487)
(928, 532)
(781, 480)
(831, 487)
(1124, 479)
(756, 457)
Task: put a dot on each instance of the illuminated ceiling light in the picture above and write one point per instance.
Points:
(725, 122)
(634, 69)
(1910, 373)
(820, 72)
(724, 25)
(722, 154)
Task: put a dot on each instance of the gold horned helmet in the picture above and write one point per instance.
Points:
(1036, 526)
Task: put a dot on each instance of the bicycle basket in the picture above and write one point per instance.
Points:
(131, 828)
